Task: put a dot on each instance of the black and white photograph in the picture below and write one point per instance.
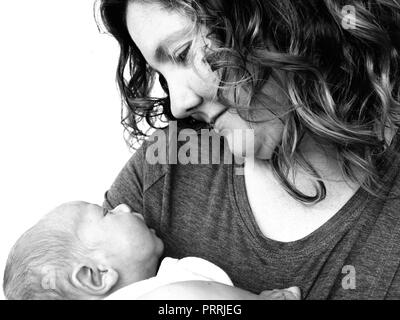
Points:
(200, 150)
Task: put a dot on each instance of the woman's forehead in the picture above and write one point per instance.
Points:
(151, 26)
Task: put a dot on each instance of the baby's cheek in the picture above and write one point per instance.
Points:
(138, 243)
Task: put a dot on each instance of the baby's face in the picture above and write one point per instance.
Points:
(120, 235)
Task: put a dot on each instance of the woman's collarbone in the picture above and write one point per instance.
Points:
(281, 217)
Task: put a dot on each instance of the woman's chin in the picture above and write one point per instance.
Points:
(251, 153)
(263, 153)
(243, 144)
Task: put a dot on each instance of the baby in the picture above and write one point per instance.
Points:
(81, 251)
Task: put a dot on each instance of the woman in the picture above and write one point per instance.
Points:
(318, 84)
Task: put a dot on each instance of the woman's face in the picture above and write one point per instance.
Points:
(172, 46)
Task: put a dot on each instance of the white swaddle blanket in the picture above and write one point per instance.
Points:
(174, 270)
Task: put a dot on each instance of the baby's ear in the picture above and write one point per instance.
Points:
(96, 281)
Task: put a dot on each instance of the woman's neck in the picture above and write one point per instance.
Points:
(324, 159)
(325, 163)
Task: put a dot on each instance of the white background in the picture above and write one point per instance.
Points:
(60, 134)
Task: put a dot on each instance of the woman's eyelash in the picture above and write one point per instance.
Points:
(182, 56)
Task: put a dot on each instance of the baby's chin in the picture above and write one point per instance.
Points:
(159, 247)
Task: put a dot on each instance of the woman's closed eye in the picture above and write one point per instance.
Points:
(182, 55)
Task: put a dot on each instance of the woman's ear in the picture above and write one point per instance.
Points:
(95, 281)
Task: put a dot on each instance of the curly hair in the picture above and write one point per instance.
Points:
(342, 84)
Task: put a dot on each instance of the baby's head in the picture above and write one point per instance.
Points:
(81, 251)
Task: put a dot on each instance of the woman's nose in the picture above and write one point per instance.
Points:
(184, 101)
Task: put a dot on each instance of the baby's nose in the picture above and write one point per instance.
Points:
(122, 208)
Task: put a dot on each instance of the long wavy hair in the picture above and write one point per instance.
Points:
(340, 65)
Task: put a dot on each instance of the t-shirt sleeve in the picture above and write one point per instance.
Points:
(128, 186)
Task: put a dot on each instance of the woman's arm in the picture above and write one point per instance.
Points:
(208, 290)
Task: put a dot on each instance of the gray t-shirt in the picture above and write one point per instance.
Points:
(202, 210)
